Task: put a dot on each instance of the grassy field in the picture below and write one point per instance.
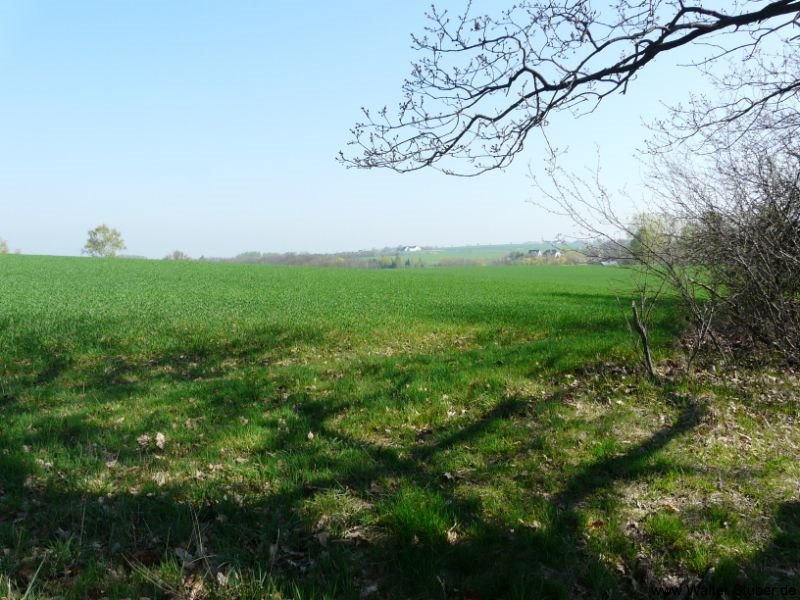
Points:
(203, 430)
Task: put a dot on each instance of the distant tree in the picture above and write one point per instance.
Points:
(103, 241)
(3, 246)
(652, 236)
(177, 255)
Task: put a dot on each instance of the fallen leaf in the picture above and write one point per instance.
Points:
(195, 588)
(160, 440)
(322, 522)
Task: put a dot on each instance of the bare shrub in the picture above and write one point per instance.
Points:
(742, 215)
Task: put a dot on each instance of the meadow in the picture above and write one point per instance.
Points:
(199, 430)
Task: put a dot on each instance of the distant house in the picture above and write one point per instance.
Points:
(552, 253)
(534, 253)
(412, 249)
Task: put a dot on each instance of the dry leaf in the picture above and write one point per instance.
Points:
(323, 522)
(160, 440)
(195, 589)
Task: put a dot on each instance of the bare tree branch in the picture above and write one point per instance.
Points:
(485, 82)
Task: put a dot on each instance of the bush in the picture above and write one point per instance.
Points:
(744, 228)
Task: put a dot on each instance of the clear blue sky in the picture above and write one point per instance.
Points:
(212, 127)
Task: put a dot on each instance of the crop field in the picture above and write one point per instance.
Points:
(195, 430)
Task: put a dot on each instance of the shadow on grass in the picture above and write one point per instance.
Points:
(772, 572)
(425, 533)
(343, 514)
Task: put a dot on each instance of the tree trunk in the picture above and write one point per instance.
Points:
(642, 331)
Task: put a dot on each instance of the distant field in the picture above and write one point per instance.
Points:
(214, 430)
(486, 253)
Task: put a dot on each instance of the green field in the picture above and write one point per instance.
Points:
(204, 430)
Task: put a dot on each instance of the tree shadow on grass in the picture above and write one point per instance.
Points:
(339, 515)
(773, 572)
(421, 532)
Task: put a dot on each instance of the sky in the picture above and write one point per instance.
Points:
(213, 128)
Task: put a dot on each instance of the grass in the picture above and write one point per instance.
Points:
(206, 430)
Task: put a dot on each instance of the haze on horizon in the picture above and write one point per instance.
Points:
(213, 128)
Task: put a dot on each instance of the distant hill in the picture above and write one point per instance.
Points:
(403, 256)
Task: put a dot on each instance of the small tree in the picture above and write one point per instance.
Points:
(103, 241)
(654, 242)
(3, 246)
(177, 255)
